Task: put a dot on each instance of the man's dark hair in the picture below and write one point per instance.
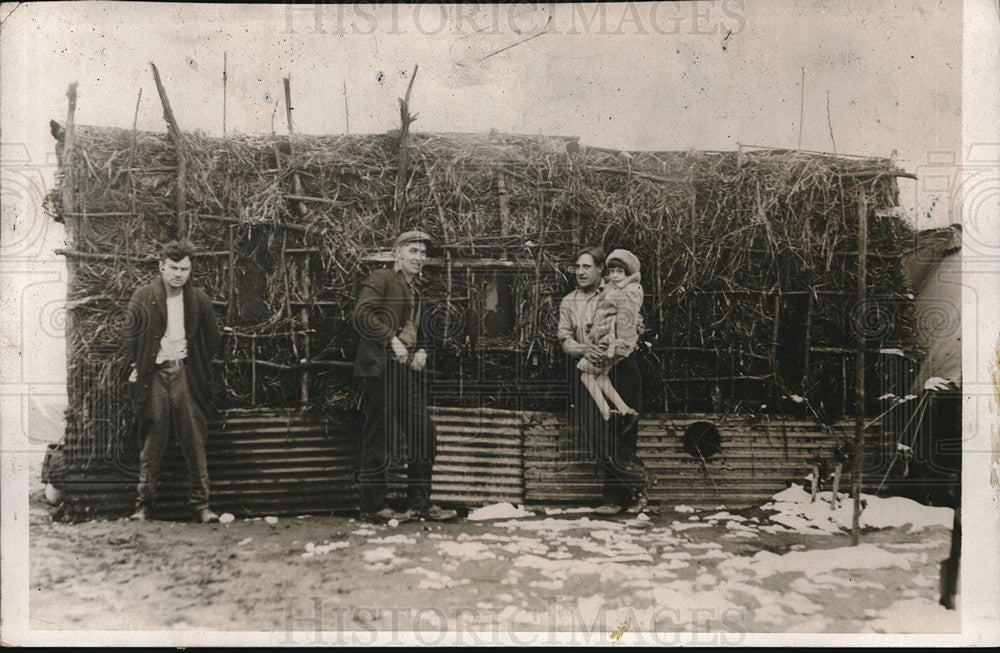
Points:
(177, 250)
(596, 253)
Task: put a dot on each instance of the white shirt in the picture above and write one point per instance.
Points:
(173, 344)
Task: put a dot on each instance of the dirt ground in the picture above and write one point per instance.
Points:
(573, 572)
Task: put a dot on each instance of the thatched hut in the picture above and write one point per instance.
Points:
(749, 260)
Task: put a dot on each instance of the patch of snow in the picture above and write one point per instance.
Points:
(705, 545)
(380, 554)
(502, 510)
(246, 541)
(556, 525)
(312, 550)
(853, 583)
(566, 511)
(764, 563)
(683, 508)
(272, 520)
(226, 518)
(432, 580)
(364, 531)
(795, 510)
(916, 616)
(466, 550)
(547, 584)
(705, 580)
(392, 539)
(678, 526)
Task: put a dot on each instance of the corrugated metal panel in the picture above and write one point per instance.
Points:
(757, 459)
(279, 463)
(479, 457)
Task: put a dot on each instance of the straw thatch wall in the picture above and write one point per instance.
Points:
(748, 261)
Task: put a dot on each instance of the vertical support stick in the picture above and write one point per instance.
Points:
(815, 483)
(808, 338)
(406, 117)
(231, 294)
(659, 308)
(224, 80)
(774, 344)
(69, 179)
(447, 294)
(304, 319)
(253, 370)
(504, 203)
(131, 150)
(859, 419)
(802, 103)
(690, 296)
(347, 113)
(178, 140)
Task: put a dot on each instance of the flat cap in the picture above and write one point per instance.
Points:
(412, 236)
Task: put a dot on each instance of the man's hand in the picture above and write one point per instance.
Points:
(399, 350)
(419, 361)
(595, 354)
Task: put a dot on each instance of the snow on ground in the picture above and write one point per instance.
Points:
(817, 561)
(916, 616)
(501, 510)
(795, 509)
(312, 550)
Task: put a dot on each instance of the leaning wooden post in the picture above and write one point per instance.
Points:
(178, 140)
(302, 211)
(859, 419)
(504, 205)
(404, 154)
(225, 76)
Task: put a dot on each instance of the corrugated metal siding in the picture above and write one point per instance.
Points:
(267, 463)
(271, 463)
(480, 456)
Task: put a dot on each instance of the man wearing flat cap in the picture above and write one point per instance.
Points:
(391, 362)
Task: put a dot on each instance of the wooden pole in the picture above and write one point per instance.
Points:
(802, 103)
(68, 185)
(178, 140)
(406, 118)
(859, 418)
(224, 79)
(504, 203)
(304, 379)
(347, 113)
(231, 299)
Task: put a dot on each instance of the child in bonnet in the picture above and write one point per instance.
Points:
(615, 328)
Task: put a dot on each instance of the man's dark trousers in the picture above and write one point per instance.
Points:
(397, 427)
(172, 408)
(613, 443)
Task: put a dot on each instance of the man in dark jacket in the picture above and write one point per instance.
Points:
(172, 337)
(390, 361)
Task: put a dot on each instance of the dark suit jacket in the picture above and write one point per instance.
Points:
(147, 322)
(384, 305)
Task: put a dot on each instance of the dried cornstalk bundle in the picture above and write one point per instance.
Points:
(748, 262)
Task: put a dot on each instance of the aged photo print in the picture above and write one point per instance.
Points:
(627, 323)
